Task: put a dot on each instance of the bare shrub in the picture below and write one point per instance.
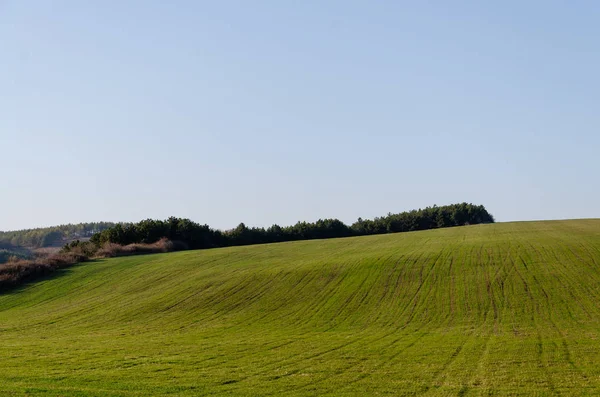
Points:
(17, 271)
(111, 250)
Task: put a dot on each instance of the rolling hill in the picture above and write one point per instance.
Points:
(502, 309)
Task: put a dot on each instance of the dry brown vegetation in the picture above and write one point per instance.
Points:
(17, 271)
(110, 250)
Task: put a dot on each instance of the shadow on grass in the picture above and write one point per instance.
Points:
(31, 281)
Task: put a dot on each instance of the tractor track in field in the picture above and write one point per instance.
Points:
(543, 367)
(413, 302)
(411, 344)
(474, 378)
(358, 340)
(350, 383)
(539, 344)
(438, 373)
(566, 352)
(566, 281)
(363, 339)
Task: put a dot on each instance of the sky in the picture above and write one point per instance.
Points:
(276, 111)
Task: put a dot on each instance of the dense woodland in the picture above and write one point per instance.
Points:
(22, 244)
(196, 236)
(45, 237)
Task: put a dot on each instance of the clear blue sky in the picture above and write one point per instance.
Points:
(277, 111)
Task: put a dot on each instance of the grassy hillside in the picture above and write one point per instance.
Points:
(480, 310)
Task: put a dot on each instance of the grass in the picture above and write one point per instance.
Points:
(504, 309)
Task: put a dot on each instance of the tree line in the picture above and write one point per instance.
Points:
(197, 236)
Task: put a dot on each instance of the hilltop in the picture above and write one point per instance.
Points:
(496, 309)
(175, 234)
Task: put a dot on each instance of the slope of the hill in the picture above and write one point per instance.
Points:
(498, 309)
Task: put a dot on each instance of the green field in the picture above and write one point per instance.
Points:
(503, 309)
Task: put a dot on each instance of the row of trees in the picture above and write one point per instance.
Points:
(45, 237)
(197, 236)
(423, 219)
